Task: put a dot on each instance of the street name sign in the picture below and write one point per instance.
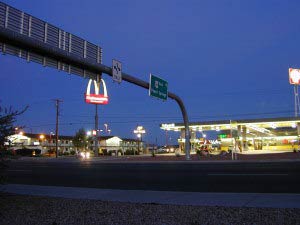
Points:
(117, 71)
(158, 87)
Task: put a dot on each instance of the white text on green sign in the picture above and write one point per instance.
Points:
(158, 87)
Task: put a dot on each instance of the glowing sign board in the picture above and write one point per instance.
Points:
(294, 76)
(96, 98)
(224, 136)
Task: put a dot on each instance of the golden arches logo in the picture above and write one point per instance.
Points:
(96, 98)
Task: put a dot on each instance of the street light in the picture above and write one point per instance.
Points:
(139, 131)
(41, 137)
(106, 127)
(18, 131)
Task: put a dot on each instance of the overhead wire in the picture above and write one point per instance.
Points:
(159, 119)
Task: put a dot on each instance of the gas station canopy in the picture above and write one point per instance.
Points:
(267, 126)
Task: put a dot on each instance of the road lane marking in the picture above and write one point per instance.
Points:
(18, 170)
(247, 174)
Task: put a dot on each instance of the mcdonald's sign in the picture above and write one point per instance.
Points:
(96, 98)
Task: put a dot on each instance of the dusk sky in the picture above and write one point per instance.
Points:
(225, 59)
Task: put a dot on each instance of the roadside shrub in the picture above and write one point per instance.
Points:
(72, 152)
(66, 153)
(3, 166)
(27, 152)
(7, 153)
(51, 151)
(104, 151)
(131, 152)
(4, 159)
(128, 152)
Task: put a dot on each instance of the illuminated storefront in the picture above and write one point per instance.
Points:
(250, 134)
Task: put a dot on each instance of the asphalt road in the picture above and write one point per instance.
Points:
(259, 177)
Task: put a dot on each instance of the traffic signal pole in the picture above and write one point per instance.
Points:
(31, 45)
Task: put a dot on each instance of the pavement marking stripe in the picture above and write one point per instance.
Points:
(18, 170)
(247, 174)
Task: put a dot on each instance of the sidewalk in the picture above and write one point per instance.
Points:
(258, 200)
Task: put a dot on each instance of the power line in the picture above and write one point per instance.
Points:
(178, 117)
(159, 120)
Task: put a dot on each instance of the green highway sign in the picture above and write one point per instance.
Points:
(158, 87)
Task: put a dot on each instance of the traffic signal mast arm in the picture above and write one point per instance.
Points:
(31, 45)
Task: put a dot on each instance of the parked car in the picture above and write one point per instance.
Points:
(84, 155)
(28, 151)
(162, 150)
(166, 149)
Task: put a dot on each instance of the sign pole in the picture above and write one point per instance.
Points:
(297, 105)
(232, 142)
(96, 152)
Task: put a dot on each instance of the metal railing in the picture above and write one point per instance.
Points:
(41, 31)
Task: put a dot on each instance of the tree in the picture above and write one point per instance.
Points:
(7, 120)
(80, 140)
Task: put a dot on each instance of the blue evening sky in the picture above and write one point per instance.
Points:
(225, 59)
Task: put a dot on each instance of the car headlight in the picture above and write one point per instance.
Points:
(82, 154)
(87, 155)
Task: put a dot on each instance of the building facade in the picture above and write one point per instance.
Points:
(47, 143)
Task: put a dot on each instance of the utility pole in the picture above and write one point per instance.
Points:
(57, 101)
